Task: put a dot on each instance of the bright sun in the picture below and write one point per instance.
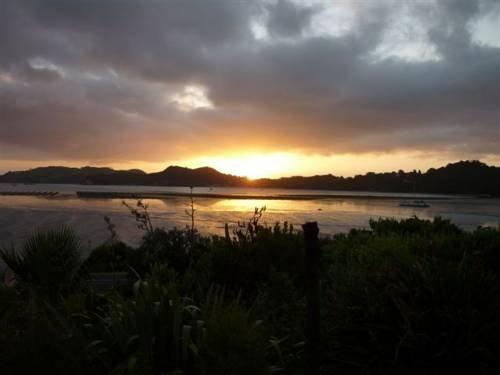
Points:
(252, 166)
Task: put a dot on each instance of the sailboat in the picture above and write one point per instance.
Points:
(414, 203)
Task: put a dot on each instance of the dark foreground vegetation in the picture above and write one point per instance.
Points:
(405, 297)
(463, 177)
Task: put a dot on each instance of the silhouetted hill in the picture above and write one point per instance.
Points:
(464, 177)
(205, 176)
(65, 175)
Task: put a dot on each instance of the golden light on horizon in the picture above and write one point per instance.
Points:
(274, 164)
(253, 166)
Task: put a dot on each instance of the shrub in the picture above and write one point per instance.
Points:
(232, 342)
(390, 306)
(110, 257)
(48, 264)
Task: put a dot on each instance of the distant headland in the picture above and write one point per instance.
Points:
(463, 177)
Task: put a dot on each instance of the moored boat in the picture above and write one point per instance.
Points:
(414, 203)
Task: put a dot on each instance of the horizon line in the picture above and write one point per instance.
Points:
(246, 177)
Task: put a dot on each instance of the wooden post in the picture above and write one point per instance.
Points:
(312, 332)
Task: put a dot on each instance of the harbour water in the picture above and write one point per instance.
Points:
(335, 211)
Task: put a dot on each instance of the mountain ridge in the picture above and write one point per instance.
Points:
(462, 177)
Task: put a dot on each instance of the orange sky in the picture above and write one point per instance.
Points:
(261, 88)
(281, 164)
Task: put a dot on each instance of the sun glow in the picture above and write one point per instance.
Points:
(252, 166)
(281, 163)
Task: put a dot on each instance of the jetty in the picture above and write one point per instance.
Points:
(30, 193)
(166, 195)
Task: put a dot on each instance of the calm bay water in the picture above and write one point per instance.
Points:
(21, 215)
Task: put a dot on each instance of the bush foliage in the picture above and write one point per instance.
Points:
(403, 297)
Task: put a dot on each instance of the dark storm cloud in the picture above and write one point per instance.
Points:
(287, 19)
(79, 76)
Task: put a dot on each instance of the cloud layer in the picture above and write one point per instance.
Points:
(164, 80)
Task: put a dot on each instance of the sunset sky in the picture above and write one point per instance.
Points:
(257, 88)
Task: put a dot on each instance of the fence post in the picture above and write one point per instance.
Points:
(312, 332)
